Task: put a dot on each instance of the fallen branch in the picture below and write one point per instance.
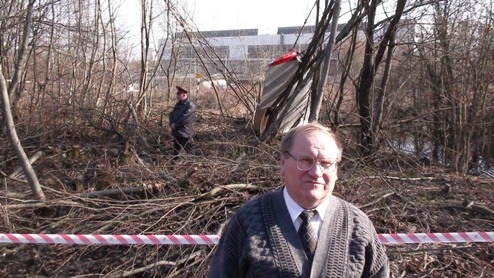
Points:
(481, 209)
(215, 190)
(113, 192)
(37, 204)
(42, 186)
(181, 270)
(378, 200)
(31, 160)
(151, 266)
(397, 178)
(489, 174)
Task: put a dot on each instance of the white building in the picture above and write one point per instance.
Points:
(242, 51)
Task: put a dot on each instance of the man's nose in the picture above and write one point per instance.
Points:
(316, 169)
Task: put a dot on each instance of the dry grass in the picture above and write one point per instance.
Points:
(176, 198)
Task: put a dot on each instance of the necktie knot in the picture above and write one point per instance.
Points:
(307, 215)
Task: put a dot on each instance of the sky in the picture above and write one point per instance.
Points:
(209, 15)
(265, 15)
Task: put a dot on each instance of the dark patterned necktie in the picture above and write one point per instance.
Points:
(307, 234)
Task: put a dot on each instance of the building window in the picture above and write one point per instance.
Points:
(264, 51)
(218, 51)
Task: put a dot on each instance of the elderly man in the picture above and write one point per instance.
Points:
(301, 230)
(181, 121)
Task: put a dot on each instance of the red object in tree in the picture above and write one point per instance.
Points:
(290, 56)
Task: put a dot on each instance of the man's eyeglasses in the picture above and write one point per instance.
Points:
(305, 163)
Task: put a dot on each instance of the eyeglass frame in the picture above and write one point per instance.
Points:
(329, 169)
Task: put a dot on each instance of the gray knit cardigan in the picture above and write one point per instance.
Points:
(260, 240)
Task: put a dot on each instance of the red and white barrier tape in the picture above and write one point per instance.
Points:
(213, 239)
(436, 237)
(109, 239)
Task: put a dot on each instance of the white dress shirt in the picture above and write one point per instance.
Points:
(294, 209)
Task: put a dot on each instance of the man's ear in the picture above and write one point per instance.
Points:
(282, 165)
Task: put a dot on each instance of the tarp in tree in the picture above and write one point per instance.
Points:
(279, 75)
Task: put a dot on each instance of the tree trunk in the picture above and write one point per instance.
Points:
(7, 113)
(368, 73)
(316, 102)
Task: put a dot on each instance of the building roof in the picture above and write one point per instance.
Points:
(305, 29)
(230, 33)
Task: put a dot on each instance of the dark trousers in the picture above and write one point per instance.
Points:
(180, 143)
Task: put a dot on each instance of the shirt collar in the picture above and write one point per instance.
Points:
(294, 209)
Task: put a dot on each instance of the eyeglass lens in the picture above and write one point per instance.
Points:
(306, 163)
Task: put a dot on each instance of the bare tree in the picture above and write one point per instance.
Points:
(372, 61)
(456, 57)
(6, 109)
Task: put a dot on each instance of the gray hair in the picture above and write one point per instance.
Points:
(287, 141)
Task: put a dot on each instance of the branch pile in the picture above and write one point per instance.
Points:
(125, 188)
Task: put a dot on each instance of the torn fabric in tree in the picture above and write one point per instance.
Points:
(284, 102)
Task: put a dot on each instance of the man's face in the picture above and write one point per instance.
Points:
(181, 96)
(310, 188)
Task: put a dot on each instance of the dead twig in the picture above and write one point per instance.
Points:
(397, 178)
(386, 195)
(481, 209)
(216, 190)
(154, 265)
(115, 192)
(489, 174)
(31, 160)
(36, 204)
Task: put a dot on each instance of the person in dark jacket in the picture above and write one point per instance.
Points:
(181, 121)
(301, 229)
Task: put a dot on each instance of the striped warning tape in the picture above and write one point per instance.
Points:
(109, 239)
(213, 239)
(436, 237)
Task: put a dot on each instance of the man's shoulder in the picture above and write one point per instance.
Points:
(255, 205)
(354, 210)
(251, 216)
(250, 205)
(191, 103)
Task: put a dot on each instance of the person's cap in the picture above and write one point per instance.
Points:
(180, 90)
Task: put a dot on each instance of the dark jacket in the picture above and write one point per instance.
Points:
(260, 240)
(183, 117)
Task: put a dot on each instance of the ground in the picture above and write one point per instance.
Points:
(97, 185)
